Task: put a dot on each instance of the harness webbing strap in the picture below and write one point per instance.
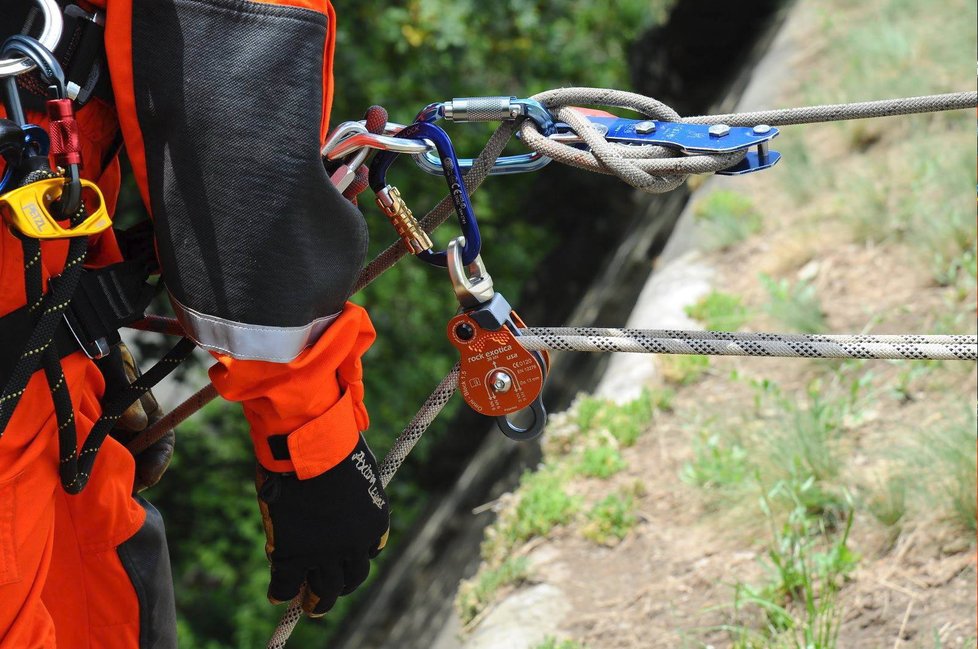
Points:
(15, 327)
(105, 300)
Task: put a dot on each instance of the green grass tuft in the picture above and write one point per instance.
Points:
(627, 421)
(543, 504)
(553, 643)
(888, 502)
(806, 566)
(719, 311)
(610, 520)
(682, 369)
(600, 462)
(794, 305)
(476, 594)
(947, 456)
(726, 218)
(717, 463)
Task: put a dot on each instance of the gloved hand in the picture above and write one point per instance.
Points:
(119, 369)
(323, 530)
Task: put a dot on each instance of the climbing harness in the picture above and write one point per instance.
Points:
(82, 309)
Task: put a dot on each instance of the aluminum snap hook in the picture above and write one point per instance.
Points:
(488, 109)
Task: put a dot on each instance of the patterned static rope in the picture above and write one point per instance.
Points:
(718, 343)
(654, 170)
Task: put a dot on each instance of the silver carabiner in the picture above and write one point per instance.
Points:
(367, 140)
(53, 26)
(352, 143)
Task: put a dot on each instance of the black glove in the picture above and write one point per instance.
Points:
(324, 530)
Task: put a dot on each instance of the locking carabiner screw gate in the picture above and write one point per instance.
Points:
(489, 109)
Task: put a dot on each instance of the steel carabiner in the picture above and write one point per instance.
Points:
(456, 185)
(489, 109)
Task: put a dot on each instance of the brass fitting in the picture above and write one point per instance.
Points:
(399, 214)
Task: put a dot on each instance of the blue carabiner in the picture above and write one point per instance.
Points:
(18, 142)
(456, 185)
(488, 109)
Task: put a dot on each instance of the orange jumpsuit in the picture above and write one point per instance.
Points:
(64, 578)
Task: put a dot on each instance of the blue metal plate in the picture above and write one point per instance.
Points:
(688, 138)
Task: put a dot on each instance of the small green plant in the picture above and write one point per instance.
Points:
(888, 502)
(795, 305)
(475, 594)
(661, 398)
(799, 600)
(947, 456)
(553, 643)
(718, 462)
(610, 520)
(541, 505)
(682, 369)
(627, 421)
(792, 440)
(911, 371)
(943, 222)
(588, 409)
(800, 447)
(601, 462)
(719, 311)
(727, 218)
(792, 559)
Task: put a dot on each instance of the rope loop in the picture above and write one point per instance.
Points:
(651, 169)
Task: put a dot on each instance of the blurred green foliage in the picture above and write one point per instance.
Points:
(402, 55)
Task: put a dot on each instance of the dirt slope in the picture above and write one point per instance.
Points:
(852, 235)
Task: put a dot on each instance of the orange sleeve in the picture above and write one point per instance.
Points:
(321, 414)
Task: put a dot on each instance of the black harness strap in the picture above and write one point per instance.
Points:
(106, 299)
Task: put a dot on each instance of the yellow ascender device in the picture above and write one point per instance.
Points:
(27, 210)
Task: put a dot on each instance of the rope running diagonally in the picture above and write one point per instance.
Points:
(392, 461)
(649, 168)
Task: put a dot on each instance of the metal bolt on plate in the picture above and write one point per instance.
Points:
(644, 128)
(719, 130)
(501, 381)
(762, 129)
